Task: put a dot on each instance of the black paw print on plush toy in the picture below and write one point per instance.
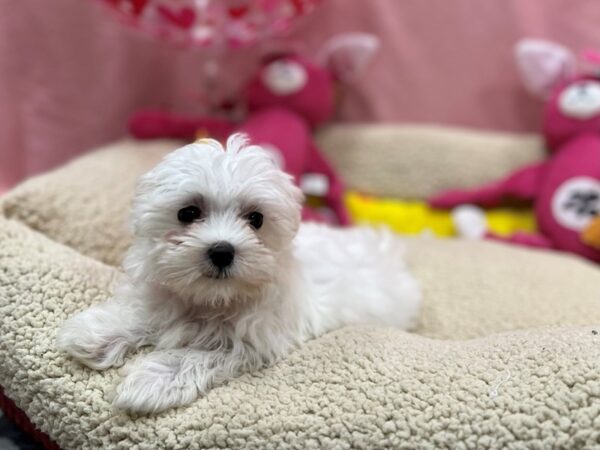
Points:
(583, 203)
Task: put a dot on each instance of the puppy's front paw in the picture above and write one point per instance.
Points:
(90, 345)
(153, 384)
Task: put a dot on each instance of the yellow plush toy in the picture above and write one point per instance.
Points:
(415, 217)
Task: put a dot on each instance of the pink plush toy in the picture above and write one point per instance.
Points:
(289, 96)
(564, 189)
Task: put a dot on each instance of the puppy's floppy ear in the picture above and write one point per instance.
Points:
(294, 200)
(274, 158)
(296, 192)
(144, 186)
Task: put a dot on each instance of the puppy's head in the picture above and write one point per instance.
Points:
(212, 224)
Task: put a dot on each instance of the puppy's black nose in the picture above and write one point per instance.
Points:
(221, 254)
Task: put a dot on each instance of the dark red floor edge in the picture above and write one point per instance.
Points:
(14, 414)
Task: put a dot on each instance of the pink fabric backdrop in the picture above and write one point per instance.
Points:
(69, 76)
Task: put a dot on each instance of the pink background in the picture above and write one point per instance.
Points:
(70, 76)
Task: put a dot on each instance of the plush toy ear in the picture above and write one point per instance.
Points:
(348, 55)
(543, 65)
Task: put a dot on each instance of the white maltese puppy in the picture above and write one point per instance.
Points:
(223, 278)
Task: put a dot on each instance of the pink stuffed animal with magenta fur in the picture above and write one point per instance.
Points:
(286, 100)
(564, 189)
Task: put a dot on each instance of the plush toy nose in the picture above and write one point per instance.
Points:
(591, 234)
(221, 254)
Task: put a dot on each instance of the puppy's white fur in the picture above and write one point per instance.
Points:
(288, 282)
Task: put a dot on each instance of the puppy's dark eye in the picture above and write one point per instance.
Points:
(189, 214)
(255, 219)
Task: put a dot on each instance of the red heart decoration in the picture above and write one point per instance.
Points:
(138, 6)
(134, 6)
(184, 18)
(237, 12)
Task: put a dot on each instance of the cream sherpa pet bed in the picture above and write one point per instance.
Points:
(507, 354)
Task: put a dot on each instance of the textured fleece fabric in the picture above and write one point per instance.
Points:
(415, 162)
(528, 378)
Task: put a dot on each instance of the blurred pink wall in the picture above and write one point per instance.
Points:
(70, 76)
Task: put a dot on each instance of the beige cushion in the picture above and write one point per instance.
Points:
(474, 289)
(534, 386)
(86, 203)
(417, 161)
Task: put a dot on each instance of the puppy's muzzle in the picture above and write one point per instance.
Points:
(221, 255)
